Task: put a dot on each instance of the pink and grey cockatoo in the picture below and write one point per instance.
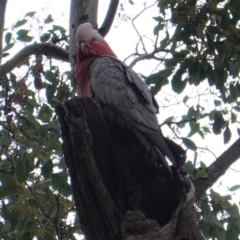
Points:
(103, 77)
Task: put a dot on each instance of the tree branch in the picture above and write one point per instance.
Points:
(3, 4)
(107, 23)
(135, 28)
(148, 56)
(49, 50)
(217, 169)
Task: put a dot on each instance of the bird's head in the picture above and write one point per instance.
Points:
(90, 43)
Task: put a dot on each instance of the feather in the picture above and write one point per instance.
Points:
(124, 96)
(125, 93)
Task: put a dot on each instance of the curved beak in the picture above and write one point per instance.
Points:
(82, 46)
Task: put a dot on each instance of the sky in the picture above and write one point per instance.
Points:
(122, 38)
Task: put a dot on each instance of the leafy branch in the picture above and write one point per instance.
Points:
(49, 50)
(217, 169)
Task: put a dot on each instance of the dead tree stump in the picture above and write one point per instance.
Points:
(120, 192)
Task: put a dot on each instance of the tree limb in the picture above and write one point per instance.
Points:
(107, 23)
(217, 169)
(49, 50)
(3, 4)
(148, 56)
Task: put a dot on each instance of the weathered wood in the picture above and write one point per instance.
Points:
(119, 190)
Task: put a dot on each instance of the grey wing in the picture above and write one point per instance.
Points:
(116, 84)
(120, 88)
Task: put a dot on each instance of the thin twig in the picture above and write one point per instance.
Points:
(140, 37)
(149, 56)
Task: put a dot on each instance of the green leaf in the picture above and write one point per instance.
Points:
(211, 76)
(25, 38)
(45, 37)
(169, 119)
(232, 210)
(30, 14)
(233, 92)
(158, 79)
(217, 222)
(195, 127)
(22, 170)
(189, 144)
(20, 23)
(158, 19)
(217, 103)
(59, 28)
(47, 169)
(9, 184)
(8, 37)
(31, 118)
(177, 84)
(26, 236)
(233, 117)
(234, 68)
(67, 190)
(7, 47)
(218, 123)
(193, 69)
(232, 233)
(165, 41)
(237, 108)
(49, 75)
(49, 19)
(158, 28)
(23, 35)
(56, 180)
(205, 227)
(48, 237)
(222, 76)
(234, 188)
(40, 191)
(50, 91)
(172, 62)
(238, 131)
(22, 32)
(185, 99)
(45, 113)
(43, 131)
(11, 217)
(227, 135)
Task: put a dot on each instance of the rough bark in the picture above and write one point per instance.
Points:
(120, 192)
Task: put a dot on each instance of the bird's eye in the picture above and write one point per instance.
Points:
(93, 39)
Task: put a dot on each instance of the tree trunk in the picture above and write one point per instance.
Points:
(120, 192)
(80, 11)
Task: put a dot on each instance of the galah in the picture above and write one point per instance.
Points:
(103, 77)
